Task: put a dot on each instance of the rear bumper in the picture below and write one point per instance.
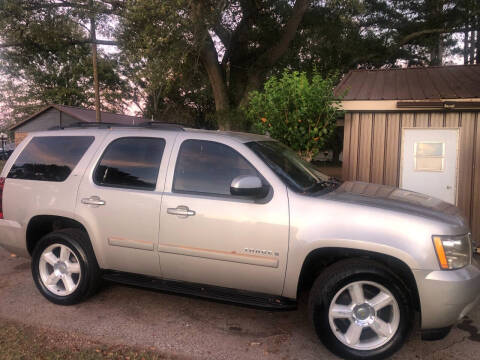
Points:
(12, 237)
(447, 296)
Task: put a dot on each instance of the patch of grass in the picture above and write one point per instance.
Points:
(19, 342)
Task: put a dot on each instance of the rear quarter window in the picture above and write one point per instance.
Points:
(50, 158)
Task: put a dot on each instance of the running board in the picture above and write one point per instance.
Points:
(257, 300)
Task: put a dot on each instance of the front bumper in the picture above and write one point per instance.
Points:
(447, 296)
(12, 237)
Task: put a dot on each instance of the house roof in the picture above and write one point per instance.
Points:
(435, 82)
(86, 115)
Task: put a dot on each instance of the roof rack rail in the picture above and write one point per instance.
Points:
(161, 125)
(107, 125)
(81, 124)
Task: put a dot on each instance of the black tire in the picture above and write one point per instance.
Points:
(78, 243)
(339, 275)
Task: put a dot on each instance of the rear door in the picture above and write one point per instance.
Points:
(120, 196)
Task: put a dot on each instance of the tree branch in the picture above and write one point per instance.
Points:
(68, 42)
(40, 5)
(224, 34)
(424, 32)
(273, 54)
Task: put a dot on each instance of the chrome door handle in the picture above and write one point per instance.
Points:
(93, 200)
(449, 187)
(182, 211)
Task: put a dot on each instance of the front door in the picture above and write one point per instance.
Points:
(120, 197)
(429, 162)
(209, 236)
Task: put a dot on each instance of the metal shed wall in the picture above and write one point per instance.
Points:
(372, 151)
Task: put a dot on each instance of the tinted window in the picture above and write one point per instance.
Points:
(208, 167)
(295, 172)
(50, 158)
(130, 163)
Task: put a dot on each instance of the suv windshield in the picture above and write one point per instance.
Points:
(295, 172)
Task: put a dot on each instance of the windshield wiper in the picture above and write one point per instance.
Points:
(331, 183)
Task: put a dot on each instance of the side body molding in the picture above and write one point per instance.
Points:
(220, 255)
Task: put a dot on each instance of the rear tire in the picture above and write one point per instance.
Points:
(360, 309)
(64, 267)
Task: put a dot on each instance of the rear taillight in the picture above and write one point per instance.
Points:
(2, 185)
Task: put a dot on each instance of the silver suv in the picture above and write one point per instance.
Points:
(236, 217)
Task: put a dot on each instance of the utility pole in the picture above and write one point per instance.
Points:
(93, 39)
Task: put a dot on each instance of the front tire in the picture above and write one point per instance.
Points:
(64, 267)
(360, 310)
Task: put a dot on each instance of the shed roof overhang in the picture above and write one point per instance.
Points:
(403, 105)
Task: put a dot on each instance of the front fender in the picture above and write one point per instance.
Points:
(317, 223)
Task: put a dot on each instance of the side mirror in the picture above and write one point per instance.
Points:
(247, 185)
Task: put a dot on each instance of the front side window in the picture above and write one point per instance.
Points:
(130, 163)
(50, 158)
(208, 167)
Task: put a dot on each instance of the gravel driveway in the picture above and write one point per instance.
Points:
(194, 328)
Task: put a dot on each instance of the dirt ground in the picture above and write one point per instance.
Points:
(191, 328)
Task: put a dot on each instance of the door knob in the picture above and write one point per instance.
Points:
(93, 200)
(181, 211)
(449, 187)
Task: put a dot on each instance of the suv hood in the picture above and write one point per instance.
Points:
(395, 199)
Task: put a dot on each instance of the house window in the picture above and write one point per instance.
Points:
(429, 156)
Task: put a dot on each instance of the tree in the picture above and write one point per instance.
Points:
(424, 32)
(469, 11)
(44, 51)
(235, 43)
(299, 112)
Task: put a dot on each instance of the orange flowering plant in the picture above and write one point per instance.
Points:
(296, 110)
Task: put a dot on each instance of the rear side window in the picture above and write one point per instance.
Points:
(50, 158)
(208, 167)
(130, 163)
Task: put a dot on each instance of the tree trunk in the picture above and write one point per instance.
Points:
(217, 82)
(477, 44)
(465, 48)
(209, 59)
(473, 40)
(436, 54)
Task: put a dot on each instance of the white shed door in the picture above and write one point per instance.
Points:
(429, 162)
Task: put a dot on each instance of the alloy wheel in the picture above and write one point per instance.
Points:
(364, 315)
(60, 270)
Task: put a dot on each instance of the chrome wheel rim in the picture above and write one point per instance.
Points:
(60, 270)
(364, 315)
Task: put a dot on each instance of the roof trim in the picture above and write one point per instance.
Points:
(410, 105)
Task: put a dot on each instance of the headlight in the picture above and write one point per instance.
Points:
(453, 252)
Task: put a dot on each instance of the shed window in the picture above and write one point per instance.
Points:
(429, 156)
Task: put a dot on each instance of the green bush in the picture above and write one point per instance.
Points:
(297, 111)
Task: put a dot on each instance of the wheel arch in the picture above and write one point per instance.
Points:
(41, 225)
(319, 259)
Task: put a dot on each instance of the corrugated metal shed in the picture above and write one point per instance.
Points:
(436, 82)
